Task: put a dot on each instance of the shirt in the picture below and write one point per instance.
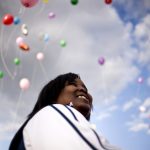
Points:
(60, 127)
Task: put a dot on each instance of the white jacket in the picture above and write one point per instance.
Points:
(59, 127)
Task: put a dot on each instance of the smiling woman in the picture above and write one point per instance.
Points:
(59, 120)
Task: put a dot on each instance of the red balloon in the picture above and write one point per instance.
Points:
(108, 1)
(8, 19)
(29, 3)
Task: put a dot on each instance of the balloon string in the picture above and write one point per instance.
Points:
(1, 85)
(2, 57)
(104, 87)
(8, 43)
(137, 91)
(33, 74)
(44, 72)
(42, 8)
(17, 108)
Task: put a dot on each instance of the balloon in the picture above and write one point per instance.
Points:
(17, 61)
(101, 60)
(24, 29)
(63, 43)
(40, 56)
(19, 40)
(1, 74)
(24, 46)
(45, 1)
(74, 2)
(51, 15)
(140, 79)
(46, 37)
(108, 1)
(8, 19)
(16, 20)
(24, 84)
(29, 3)
(142, 109)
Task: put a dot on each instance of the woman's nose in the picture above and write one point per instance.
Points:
(82, 88)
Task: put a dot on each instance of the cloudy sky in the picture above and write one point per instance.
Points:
(118, 32)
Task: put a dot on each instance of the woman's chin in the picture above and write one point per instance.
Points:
(84, 109)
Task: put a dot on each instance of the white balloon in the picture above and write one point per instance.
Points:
(142, 109)
(24, 29)
(40, 56)
(24, 84)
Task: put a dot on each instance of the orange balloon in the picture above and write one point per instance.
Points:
(24, 46)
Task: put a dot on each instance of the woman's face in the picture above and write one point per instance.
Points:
(76, 92)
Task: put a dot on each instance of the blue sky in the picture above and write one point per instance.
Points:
(119, 32)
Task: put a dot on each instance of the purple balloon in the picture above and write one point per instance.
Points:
(101, 60)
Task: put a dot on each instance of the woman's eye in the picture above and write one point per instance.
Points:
(73, 83)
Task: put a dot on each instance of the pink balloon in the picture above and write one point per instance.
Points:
(24, 84)
(29, 3)
(51, 15)
(40, 56)
(140, 79)
(19, 40)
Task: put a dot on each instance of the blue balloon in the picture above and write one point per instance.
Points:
(46, 37)
(16, 20)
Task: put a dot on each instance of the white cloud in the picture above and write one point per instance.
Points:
(103, 116)
(142, 37)
(132, 103)
(89, 33)
(148, 81)
(133, 9)
(146, 102)
(138, 127)
(107, 113)
(8, 129)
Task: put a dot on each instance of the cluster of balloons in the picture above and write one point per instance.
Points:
(20, 42)
(9, 19)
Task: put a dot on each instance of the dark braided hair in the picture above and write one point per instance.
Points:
(51, 91)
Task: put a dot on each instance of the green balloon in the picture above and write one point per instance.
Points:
(17, 61)
(1, 74)
(63, 43)
(74, 2)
